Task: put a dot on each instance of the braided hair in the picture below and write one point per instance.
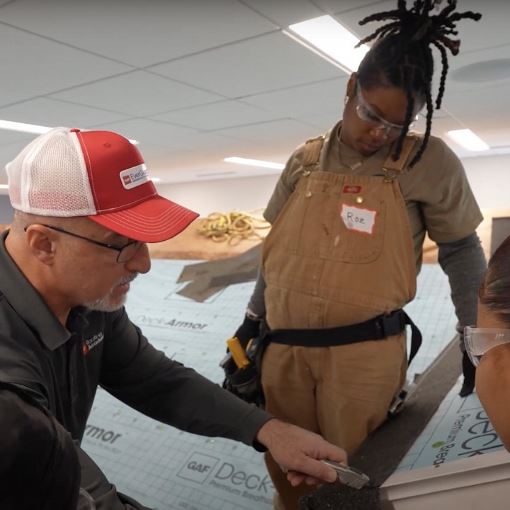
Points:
(402, 55)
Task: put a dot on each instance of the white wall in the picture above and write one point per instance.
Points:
(490, 180)
(489, 177)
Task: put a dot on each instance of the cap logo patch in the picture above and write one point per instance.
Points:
(134, 176)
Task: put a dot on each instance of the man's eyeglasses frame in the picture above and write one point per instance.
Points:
(125, 252)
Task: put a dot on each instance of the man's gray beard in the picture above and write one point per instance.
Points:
(105, 303)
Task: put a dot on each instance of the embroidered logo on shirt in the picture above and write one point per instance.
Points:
(91, 342)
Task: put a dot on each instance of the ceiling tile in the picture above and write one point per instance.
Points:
(15, 137)
(314, 98)
(245, 68)
(481, 57)
(350, 16)
(138, 93)
(219, 115)
(473, 35)
(349, 5)
(8, 151)
(286, 12)
(50, 112)
(33, 66)
(139, 33)
(153, 132)
(491, 113)
(490, 31)
(291, 131)
(321, 121)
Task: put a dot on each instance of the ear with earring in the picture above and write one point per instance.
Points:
(346, 99)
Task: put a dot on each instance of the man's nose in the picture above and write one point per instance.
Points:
(141, 262)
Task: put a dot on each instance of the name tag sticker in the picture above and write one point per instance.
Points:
(356, 218)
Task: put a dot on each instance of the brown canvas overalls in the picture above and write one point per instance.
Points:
(339, 253)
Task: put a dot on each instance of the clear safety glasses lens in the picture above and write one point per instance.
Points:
(367, 114)
(479, 341)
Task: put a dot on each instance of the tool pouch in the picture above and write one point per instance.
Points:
(246, 382)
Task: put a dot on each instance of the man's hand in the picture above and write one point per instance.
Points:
(250, 328)
(299, 452)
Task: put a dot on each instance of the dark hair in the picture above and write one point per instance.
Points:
(402, 55)
(494, 292)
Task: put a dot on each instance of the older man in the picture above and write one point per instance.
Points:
(84, 210)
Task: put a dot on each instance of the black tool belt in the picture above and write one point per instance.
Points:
(379, 328)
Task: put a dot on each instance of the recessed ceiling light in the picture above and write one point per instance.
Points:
(32, 128)
(467, 139)
(22, 127)
(255, 162)
(331, 40)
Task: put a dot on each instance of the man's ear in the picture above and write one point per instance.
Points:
(41, 243)
(351, 85)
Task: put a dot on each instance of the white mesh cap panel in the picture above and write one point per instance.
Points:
(49, 177)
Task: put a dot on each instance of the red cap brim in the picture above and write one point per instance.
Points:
(151, 221)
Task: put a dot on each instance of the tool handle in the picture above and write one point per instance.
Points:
(238, 353)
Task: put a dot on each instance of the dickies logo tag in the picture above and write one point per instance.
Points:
(348, 188)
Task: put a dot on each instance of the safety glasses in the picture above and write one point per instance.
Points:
(367, 114)
(478, 341)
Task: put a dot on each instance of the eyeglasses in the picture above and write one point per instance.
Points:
(367, 114)
(125, 253)
(479, 341)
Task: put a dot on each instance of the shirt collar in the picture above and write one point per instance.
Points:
(28, 303)
(340, 153)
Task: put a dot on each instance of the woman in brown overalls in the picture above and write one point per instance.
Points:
(349, 214)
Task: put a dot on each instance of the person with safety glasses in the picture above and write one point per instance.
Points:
(349, 217)
(488, 344)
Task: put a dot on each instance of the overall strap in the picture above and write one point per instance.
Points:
(312, 152)
(398, 165)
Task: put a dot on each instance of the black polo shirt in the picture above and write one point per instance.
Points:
(39, 468)
(62, 366)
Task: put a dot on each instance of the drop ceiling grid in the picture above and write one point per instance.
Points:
(139, 33)
(138, 93)
(274, 93)
(33, 66)
(220, 115)
(50, 112)
(269, 62)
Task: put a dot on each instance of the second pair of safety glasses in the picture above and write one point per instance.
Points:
(478, 341)
(367, 114)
